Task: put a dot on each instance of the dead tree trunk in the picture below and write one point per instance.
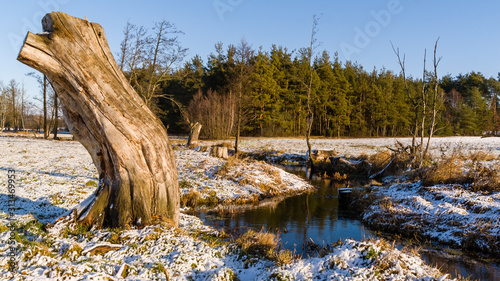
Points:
(45, 127)
(434, 99)
(56, 115)
(128, 144)
(194, 133)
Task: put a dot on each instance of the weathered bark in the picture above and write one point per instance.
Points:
(56, 116)
(128, 144)
(45, 127)
(194, 133)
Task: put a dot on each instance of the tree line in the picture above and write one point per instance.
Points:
(271, 93)
(346, 99)
(18, 113)
(274, 93)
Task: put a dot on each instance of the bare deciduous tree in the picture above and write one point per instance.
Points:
(148, 59)
(215, 112)
(310, 114)
(423, 100)
(47, 93)
(3, 106)
(432, 128)
(421, 103)
(413, 100)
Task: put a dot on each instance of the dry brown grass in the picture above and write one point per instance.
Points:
(461, 168)
(362, 199)
(449, 170)
(485, 179)
(232, 161)
(264, 244)
(482, 239)
(190, 199)
(338, 177)
(258, 243)
(380, 159)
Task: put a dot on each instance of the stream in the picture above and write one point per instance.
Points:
(319, 216)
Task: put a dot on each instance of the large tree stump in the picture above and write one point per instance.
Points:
(219, 152)
(128, 143)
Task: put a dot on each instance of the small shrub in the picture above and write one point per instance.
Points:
(485, 179)
(465, 169)
(482, 156)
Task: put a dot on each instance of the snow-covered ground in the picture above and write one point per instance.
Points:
(449, 214)
(161, 252)
(234, 181)
(356, 147)
(53, 176)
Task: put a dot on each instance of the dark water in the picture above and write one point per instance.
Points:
(320, 216)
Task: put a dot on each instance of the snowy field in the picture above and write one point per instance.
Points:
(356, 147)
(53, 176)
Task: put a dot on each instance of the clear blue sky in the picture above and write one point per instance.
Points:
(358, 30)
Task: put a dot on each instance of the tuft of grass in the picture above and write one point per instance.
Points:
(115, 236)
(91, 183)
(257, 243)
(159, 268)
(223, 170)
(372, 254)
(3, 228)
(190, 199)
(38, 248)
(78, 230)
(74, 248)
(338, 177)
(264, 244)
